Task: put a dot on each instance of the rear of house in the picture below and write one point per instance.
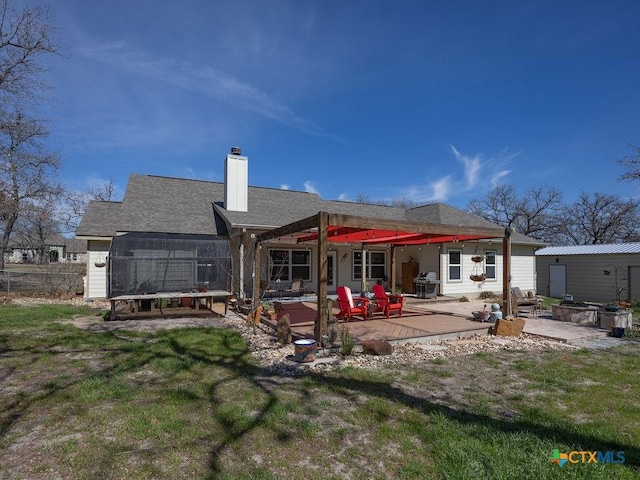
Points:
(236, 212)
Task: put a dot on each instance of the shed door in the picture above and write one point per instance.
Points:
(634, 283)
(557, 280)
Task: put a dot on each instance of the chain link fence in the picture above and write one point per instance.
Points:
(60, 279)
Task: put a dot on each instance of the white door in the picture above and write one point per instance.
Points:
(557, 280)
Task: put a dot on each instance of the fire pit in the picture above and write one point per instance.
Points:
(575, 312)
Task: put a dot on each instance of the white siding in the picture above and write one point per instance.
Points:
(96, 281)
(523, 270)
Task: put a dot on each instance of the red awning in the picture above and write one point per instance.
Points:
(339, 234)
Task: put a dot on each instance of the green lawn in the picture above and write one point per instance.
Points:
(191, 403)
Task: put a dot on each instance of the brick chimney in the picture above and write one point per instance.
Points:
(236, 181)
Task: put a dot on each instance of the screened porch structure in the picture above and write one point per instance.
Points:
(141, 263)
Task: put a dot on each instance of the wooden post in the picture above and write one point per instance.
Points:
(321, 326)
(506, 271)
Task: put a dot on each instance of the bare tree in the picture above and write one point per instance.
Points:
(598, 218)
(632, 162)
(25, 36)
(500, 206)
(74, 204)
(532, 214)
(36, 228)
(103, 192)
(27, 173)
(26, 170)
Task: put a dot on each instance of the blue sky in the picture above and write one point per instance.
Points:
(432, 101)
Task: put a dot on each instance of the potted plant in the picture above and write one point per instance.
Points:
(269, 309)
(478, 278)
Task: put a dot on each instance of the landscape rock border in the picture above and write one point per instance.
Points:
(273, 357)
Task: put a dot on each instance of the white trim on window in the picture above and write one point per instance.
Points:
(491, 264)
(454, 265)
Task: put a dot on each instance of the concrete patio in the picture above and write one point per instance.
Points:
(435, 319)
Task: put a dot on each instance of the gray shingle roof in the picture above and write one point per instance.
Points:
(170, 205)
(100, 219)
(75, 245)
(175, 205)
(447, 215)
(271, 207)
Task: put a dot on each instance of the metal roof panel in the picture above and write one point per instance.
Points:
(602, 249)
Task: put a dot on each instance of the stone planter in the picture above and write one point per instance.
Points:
(581, 315)
(620, 319)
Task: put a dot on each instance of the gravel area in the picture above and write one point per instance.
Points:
(278, 359)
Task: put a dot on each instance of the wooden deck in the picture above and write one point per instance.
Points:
(417, 323)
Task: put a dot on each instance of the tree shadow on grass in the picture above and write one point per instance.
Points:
(129, 355)
(556, 434)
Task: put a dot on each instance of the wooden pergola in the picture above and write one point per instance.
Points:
(325, 228)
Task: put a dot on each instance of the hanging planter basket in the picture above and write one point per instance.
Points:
(477, 258)
(478, 278)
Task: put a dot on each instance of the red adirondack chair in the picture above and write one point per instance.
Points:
(387, 303)
(350, 307)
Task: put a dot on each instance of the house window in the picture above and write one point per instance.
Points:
(455, 265)
(376, 265)
(287, 265)
(490, 264)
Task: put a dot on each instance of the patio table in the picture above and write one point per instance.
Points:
(210, 296)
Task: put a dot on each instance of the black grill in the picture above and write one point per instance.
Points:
(426, 284)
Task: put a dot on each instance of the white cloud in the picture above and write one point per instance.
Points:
(478, 175)
(343, 197)
(496, 178)
(472, 167)
(440, 189)
(309, 187)
(212, 83)
(284, 186)
(435, 191)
